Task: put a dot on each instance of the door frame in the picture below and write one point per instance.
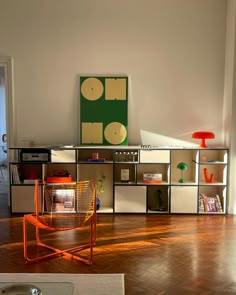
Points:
(7, 63)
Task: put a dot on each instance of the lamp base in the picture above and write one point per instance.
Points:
(181, 180)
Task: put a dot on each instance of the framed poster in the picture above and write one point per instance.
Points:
(103, 110)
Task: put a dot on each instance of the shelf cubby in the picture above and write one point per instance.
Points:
(219, 172)
(50, 169)
(184, 199)
(120, 169)
(190, 175)
(159, 168)
(86, 156)
(213, 156)
(130, 199)
(212, 191)
(27, 172)
(158, 199)
(99, 171)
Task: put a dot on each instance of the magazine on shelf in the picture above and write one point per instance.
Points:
(218, 203)
(210, 203)
(201, 205)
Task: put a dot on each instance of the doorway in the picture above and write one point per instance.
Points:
(3, 130)
(6, 120)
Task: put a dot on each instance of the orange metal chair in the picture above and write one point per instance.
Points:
(62, 207)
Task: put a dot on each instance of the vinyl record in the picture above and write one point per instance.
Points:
(115, 133)
(92, 89)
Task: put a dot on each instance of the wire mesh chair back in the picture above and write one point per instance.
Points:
(60, 207)
(67, 205)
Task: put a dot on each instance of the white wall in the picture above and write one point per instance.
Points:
(172, 50)
(230, 100)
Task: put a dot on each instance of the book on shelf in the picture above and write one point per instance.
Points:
(29, 181)
(205, 202)
(15, 174)
(201, 205)
(210, 203)
(218, 203)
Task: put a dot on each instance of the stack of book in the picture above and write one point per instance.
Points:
(210, 203)
(152, 178)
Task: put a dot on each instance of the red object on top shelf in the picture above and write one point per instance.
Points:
(203, 135)
(58, 179)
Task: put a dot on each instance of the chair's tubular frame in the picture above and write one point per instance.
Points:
(67, 253)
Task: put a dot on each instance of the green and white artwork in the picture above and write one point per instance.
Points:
(103, 110)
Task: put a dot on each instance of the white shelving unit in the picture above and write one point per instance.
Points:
(123, 169)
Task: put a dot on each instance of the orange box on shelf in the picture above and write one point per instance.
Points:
(60, 179)
(152, 181)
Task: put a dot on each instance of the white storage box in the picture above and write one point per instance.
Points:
(63, 156)
(154, 156)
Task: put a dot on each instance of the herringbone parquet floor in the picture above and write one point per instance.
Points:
(159, 254)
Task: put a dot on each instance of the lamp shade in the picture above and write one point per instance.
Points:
(203, 135)
(182, 166)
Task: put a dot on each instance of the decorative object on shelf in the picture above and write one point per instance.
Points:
(100, 189)
(203, 135)
(33, 174)
(98, 203)
(134, 155)
(124, 175)
(59, 176)
(159, 201)
(35, 155)
(207, 178)
(126, 156)
(182, 166)
(96, 158)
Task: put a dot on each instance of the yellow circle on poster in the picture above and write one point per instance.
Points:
(92, 89)
(115, 133)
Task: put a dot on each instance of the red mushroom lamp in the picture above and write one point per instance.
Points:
(203, 135)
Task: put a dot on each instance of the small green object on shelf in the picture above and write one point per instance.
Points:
(182, 166)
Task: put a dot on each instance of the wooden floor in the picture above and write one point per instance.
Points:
(159, 254)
